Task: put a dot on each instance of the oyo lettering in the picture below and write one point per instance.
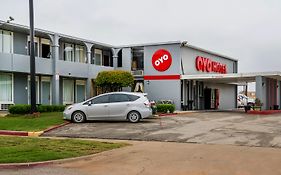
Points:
(207, 65)
(161, 60)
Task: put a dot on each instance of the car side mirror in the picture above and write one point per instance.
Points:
(89, 103)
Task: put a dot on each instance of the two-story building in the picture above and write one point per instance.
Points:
(66, 67)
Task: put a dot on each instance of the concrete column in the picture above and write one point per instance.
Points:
(56, 77)
(89, 78)
(278, 93)
(115, 57)
(261, 90)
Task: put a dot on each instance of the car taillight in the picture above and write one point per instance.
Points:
(147, 104)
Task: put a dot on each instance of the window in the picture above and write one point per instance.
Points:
(133, 97)
(36, 43)
(137, 60)
(68, 54)
(80, 54)
(6, 88)
(101, 99)
(119, 61)
(80, 90)
(6, 41)
(106, 58)
(115, 98)
(68, 91)
(45, 48)
(46, 91)
(98, 57)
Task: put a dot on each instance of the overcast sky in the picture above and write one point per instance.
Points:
(248, 30)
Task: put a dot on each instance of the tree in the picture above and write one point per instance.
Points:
(111, 81)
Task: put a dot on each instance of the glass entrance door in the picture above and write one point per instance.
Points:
(46, 92)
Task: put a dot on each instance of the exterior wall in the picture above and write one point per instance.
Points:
(227, 95)
(189, 61)
(163, 89)
(127, 59)
(20, 88)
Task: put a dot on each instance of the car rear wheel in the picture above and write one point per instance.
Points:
(78, 117)
(134, 116)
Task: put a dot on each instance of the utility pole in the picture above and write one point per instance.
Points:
(32, 60)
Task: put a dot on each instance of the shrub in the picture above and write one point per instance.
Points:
(25, 109)
(165, 108)
(19, 109)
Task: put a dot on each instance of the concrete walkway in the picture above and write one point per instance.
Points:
(153, 158)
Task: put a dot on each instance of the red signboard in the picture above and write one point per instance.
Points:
(208, 65)
(161, 60)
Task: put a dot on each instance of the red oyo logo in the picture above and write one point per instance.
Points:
(161, 60)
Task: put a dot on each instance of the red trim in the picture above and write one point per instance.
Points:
(161, 77)
(14, 133)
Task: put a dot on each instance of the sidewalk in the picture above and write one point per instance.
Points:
(163, 158)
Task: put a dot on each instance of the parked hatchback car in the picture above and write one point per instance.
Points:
(110, 106)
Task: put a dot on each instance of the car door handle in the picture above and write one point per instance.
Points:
(105, 105)
(128, 104)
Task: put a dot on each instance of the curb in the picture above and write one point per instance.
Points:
(30, 134)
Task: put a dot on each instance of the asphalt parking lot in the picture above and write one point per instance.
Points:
(204, 128)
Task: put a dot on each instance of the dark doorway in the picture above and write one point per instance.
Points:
(207, 95)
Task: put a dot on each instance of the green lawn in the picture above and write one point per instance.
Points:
(26, 149)
(30, 123)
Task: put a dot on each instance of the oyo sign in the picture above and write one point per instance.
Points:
(207, 65)
(161, 60)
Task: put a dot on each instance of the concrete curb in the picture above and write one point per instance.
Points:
(30, 134)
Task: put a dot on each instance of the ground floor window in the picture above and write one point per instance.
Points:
(46, 92)
(80, 91)
(68, 91)
(6, 88)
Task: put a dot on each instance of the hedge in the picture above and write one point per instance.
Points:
(25, 109)
(164, 108)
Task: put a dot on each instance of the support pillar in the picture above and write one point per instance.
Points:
(89, 78)
(56, 77)
(278, 93)
(115, 57)
(261, 92)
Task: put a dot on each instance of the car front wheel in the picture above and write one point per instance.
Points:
(134, 116)
(78, 117)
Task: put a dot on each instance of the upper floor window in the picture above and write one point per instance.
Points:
(42, 47)
(6, 41)
(137, 60)
(80, 55)
(68, 53)
(98, 57)
(74, 53)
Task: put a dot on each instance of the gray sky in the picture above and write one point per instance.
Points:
(249, 30)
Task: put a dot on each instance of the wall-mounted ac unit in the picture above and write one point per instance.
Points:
(5, 107)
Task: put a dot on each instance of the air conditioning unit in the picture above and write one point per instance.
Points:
(5, 107)
(137, 73)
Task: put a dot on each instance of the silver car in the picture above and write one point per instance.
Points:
(110, 106)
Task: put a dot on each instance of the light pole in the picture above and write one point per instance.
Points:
(32, 60)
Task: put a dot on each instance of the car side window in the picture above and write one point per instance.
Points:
(101, 99)
(115, 98)
(133, 97)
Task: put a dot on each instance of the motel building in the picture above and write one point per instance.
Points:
(66, 67)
